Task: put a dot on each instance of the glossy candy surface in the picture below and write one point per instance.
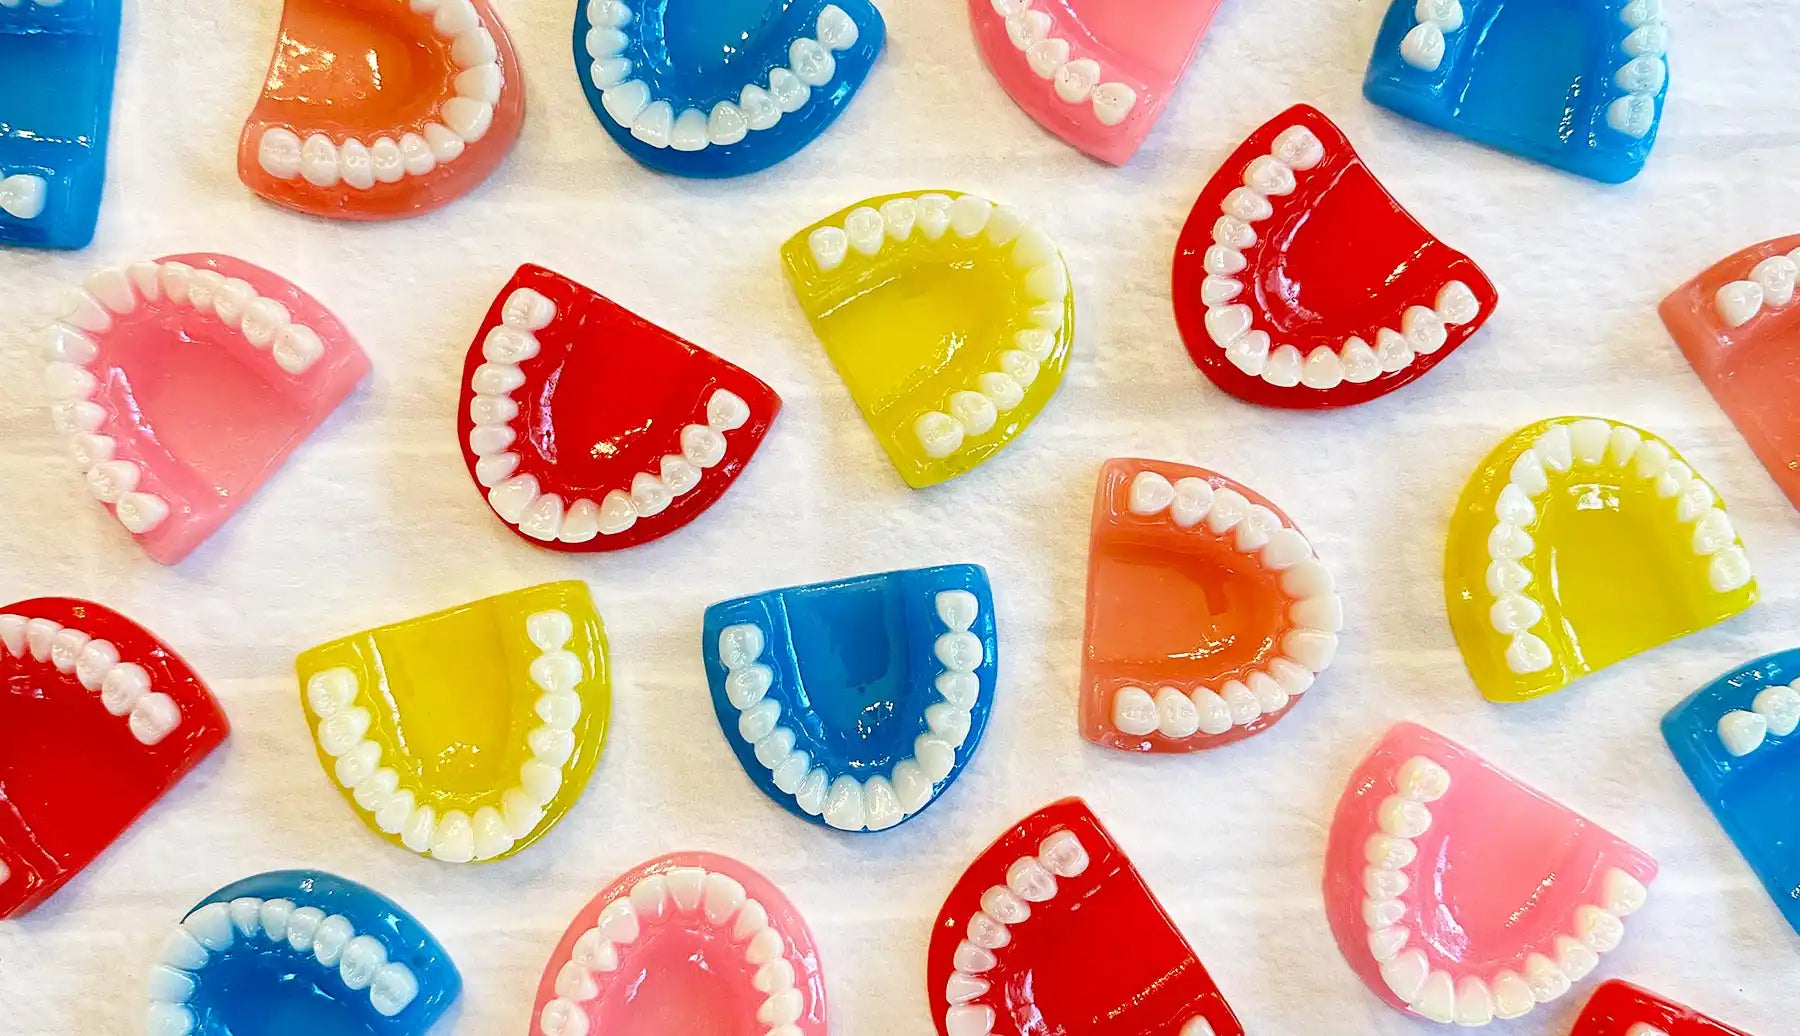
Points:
(720, 88)
(1576, 84)
(1208, 613)
(1093, 72)
(1458, 894)
(180, 385)
(589, 428)
(375, 110)
(300, 953)
(1622, 1009)
(1300, 282)
(56, 85)
(1052, 930)
(1739, 326)
(1735, 739)
(1580, 542)
(856, 703)
(685, 943)
(949, 318)
(101, 719)
(468, 733)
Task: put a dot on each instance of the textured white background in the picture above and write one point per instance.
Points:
(375, 520)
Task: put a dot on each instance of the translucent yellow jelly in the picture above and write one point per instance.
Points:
(949, 318)
(1580, 542)
(465, 734)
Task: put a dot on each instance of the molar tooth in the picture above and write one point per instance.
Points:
(1002, 390)
(1027, 27)
(1267, 174)
(811, 62)
(1423, 48)
(746, 685)
(278, 152)
(1031, 880)
(1742, 731)
(974, 411)
(1048, 55)
(1075, 81)
(386, 160)
(939, 434)
(1247, 204)
(1381, 913)
(360, 762)
(1113, 102)
(788, 91)
(1134, 711)
(1423, 329)
(836, 29)
(1299, 147)
(153, 718)
(1214, 714)
(1738, 301)
(319, 161)
(1402, 817)
(496, 379)
(359, 960)
(97, 659)
(392, 988)
(122, 686)
(1528, 654)
(296, 347)
(988, 933)
(1382, 883)
(1598, 929)
(1389, 852)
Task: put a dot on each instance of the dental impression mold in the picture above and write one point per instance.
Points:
(1739, 328)
(375, 109)
(1300, 282)
(468, 733)
(178, 386)
(1735, 740)
(856, 703)
(1580, 542)
(1622, 1009)
(56, 84)
(1208, 613)
(1095, 73)
(685, 943)
(1459, 895)
(589, 428)
(949, 318)
(1576, 85)
(1052, 930)
(299, 953)
(101, 719)
(722, 88)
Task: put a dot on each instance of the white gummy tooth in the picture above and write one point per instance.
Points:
(973, 959)
(112, 288)
(1546, 981)
(690, 131)
(654, 124)
(415, 154)
(362, 956)
(788, 91)
(1405, 974)
(319, 161)
(468, 119)
(810, 796)
(625, 101)
(211, 927)
(97, 659)
(356, 165)
(181, 950)
(722, 897)
(752, 920)
(811, 61)
(836, 29)
(387, 161)
(844, 804)
(274, 919)
(278, 152)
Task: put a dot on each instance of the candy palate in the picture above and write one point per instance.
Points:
(53, 137)
(101, 719)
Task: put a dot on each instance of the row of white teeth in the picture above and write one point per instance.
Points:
(682, 890)
(466, 117)
(1642, 76)
(971, 412)
(847, 803)
(1403, 817)
(1424, 44)
(22, 195)
(361, 961)
(655, 121)
(1077, 81)
(1593, 443)
(124, 687)
(516, 498)
(1775, 710)
(68, 347)
(1771, 284)
(456, 837)
(1423, 330)
(1315, 610)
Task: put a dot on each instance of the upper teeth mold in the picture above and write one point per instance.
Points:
(1258, 235)
(707, 96)
(941, 400)
(921, 643)
(454, 792)
(1579, 87)
(101, 718)
(56, 83)
(1532, 608)
(1619, 1008)
(1243, 678)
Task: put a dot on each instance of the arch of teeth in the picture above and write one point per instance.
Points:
(971, 412)
(1424, 44)
(69, 347)
(654, 121)
(124, 687)
(1770, 284)
(22, 195)
(361, 961)
(516, 498)
(1076, 81)
(456, 837)
(1315, 611)
(845, 802)
(1775, 710)
(466, 117)
(681, 890)
(1472, 1000)
(1642, 76)
(1593, 443)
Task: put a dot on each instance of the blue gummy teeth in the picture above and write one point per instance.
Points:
(1736, 740)
(1576, 84)
(856, 703)
(733, 87)
(56, 82)
(299, 953)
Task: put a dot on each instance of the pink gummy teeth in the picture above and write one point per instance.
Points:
(179, 385)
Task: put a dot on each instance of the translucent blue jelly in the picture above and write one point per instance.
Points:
(882, 684)
(695, 54)
(259, 987)
(1753, 795)
(56, 83)
(1576, 84)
